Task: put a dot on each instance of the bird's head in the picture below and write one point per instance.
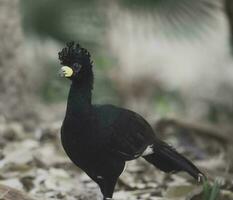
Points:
(75, 61)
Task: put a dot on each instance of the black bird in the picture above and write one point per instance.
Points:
(101, 138)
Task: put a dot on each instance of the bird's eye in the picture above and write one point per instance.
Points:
(77, 67)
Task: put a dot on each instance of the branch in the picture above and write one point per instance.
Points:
(8, 193)
(198, 128)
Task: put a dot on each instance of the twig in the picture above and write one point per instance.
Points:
(124, 184)
(198, 128)
(4, 194)
(8, 193)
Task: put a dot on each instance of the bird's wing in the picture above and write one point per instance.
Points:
(125, 133)
(127, 146)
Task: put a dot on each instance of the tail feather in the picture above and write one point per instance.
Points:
(168, 159)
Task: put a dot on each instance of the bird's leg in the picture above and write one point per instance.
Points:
(107, 187)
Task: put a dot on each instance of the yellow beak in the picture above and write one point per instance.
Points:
(66, 71)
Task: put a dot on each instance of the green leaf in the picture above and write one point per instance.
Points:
(215, 191)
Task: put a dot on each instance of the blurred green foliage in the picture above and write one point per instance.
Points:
(167, 102)
(86, 22)
(211, 192)
(54, 89)
(64, 20)
(71, 20)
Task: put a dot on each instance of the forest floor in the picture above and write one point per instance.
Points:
(32, 160)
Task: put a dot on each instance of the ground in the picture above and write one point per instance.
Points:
(32, 160)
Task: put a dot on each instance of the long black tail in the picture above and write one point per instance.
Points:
(168, 159)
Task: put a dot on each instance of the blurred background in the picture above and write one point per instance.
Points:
(170, 61)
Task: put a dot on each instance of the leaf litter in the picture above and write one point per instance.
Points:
(34, 162)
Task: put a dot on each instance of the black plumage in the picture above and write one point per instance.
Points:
(101, 138)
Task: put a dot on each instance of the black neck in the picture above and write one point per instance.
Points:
(80, 96)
